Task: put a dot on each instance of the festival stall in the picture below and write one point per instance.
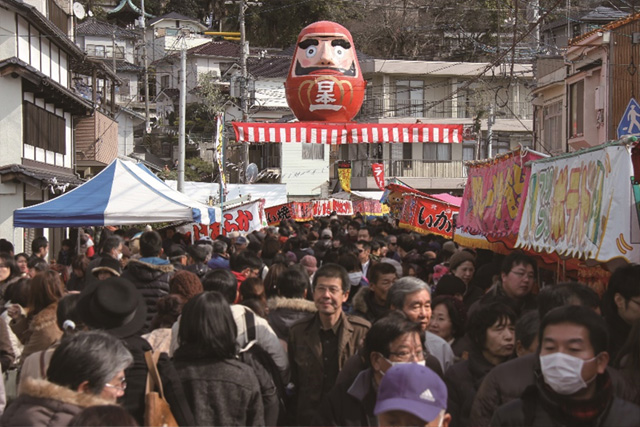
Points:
(325, 96)
(581, 205)
(243, 218)
(427, 215)
(492, 201)
(306, 211)
(124, 193)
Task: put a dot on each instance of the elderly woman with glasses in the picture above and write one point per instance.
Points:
(87, 369)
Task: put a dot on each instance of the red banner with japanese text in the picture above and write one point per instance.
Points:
(494, 195)
(370, 207)
(326, 207)
(426, 215)
(245, 218)
(378, 174)
(298, 211)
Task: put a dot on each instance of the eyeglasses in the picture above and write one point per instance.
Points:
(524, 273)
(122, 387)
(406, 356)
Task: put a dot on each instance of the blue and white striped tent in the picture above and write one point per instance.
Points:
(123, 193)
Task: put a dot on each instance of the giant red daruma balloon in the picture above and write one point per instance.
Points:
(324, 81)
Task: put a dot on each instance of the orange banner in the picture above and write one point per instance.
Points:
(426, 215)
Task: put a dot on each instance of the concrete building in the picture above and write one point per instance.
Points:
(471, 94)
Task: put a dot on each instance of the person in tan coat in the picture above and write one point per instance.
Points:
(36, 327)
(320, 344)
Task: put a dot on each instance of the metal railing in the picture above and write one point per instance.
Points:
(105, 51)
(410, 168)
(379, 107)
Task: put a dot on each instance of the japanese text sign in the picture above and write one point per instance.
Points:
(495, 190)
(581, 206)
(426, 215)
(244, 219)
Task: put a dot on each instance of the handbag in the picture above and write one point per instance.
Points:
(157, 412)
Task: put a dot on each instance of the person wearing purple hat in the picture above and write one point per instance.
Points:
(412, 395)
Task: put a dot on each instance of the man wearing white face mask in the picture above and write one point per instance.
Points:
(412, 395)
(573, 385)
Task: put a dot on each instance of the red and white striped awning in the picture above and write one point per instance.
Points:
(346, 133)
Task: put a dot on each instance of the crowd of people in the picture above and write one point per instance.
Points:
(334, 321)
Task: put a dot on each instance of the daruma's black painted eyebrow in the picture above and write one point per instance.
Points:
(342, 43)
(308, 42)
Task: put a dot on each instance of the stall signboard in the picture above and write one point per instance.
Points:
(494, 194)
(581, 206)
(370, 207)
(298, 211)
(426, 215)
(327, 206)
(245, 218)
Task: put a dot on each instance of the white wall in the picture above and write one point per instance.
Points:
(11, 120)
(7, 34)
(11, 198)
(303, 177)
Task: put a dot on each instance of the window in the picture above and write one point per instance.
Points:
(99, 51)
(164, 82)
(552, 126)
(43, 129)
(500, 146)
(576, 109)
(437, 152)
(125, 88)
(312, 151)
(410, 98)
(407, 154)
(468, 150)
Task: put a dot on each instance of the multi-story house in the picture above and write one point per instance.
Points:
(43, 119)
(471, 94)
(116, 47)
(171, 32)
(582, 97)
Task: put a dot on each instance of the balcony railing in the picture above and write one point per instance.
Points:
(376, 107)
(105, 52)
(410, 168)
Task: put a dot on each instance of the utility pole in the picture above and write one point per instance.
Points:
(147, 121)
(183, 109)
(490, 122)
(244, 51)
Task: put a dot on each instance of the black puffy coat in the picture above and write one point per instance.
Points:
(152, 280)
(463, 380)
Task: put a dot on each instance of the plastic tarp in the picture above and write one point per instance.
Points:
(124, 193)
(273, 194)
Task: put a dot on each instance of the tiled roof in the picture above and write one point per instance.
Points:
(221, 48)
(93, 27)
(611, 26)
(597, 16)
(173, 16)
(273, 66)
(603, 13)
(46, 177)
